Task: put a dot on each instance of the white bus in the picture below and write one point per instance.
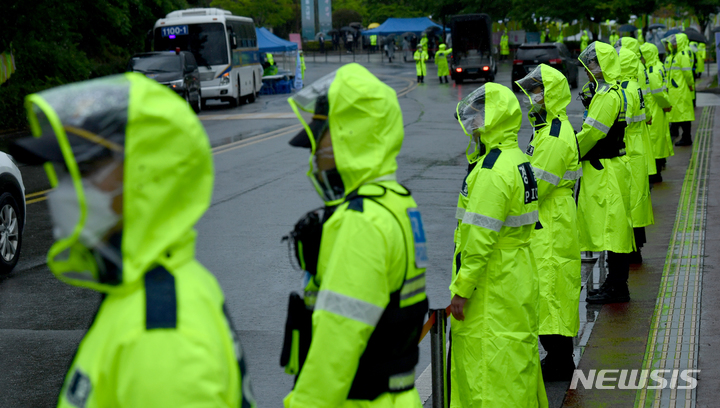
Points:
(225, 47)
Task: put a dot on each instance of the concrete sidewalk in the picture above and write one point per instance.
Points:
(672, 321)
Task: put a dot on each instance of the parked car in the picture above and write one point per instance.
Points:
(556, 55)
(12, 213)
(472, 48)
(176, 69)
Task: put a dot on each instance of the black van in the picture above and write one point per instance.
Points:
(176, 69)
(472, 48)
(556, 55)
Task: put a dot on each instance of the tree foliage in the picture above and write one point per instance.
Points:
(60, 41)
(266, 13)
(344, 17)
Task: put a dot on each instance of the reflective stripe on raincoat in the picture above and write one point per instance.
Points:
(362, 253)
(494, 352)
(604, 216)
(420, 57)
(441, 60)
(160, 337)
(659, 128)
(638, 149)
(554, 156)
(678, 68)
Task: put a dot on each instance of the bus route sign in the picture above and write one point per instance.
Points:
(172, 31)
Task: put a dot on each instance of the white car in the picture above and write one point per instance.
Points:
(12, 213)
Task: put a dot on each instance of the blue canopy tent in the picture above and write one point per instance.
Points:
(403, 25)
(269, 42)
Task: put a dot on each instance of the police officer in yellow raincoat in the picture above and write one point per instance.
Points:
(638, 147)
(604, 210)
(504, 46)
(555, 160)
(123, 219)
(680, 83)
(442, 63)
(364, 257)
(495, 360)
(700, 60)
(584, 40)
(659, 128)
(420, 57)
(614, 37)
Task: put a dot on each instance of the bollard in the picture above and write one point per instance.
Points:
(438, 359)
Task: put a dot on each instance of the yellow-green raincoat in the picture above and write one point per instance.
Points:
(494, 354)
(604, 211)
(678, 68)
(420, 57)
(366, 251)
(659, 128)
(441, 60)
(584, 40)
(700, 57)
(555, 160)
(160, 337)
(636, 145)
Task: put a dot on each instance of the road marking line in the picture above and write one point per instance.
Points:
(31, 195)
(245, 116)
(36, 200)
(258, 141)
(254, 139)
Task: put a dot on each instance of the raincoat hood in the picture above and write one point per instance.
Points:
(629, 64)
(650, 53)
(607, 59)
(500, 112)
(556, 91)
(168, 173)
(683, 43)
(442, 47)
(365, 124)
(631, 44)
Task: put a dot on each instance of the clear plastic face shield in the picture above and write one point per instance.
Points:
(532, 86)
(470, 113)
(312, 107)
(81, 129)
(589, 60)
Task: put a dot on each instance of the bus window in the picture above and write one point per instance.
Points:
(252, 38)
(207, 42)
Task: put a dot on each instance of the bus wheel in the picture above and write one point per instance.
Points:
(253, 95)
(235, 102)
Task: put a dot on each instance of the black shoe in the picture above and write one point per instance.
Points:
(684, 142)
(655, 178)
(635, 257)
(556, 370)
(617, 293)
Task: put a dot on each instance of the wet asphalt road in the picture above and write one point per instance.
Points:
(260, 191)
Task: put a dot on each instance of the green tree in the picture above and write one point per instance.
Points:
(266, 13)
(343, 17)
(383, 12)
(61, 41)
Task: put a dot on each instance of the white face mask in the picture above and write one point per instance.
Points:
(534, 104)
(65, 212)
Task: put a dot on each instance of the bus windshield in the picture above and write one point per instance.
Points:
(207, 42)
